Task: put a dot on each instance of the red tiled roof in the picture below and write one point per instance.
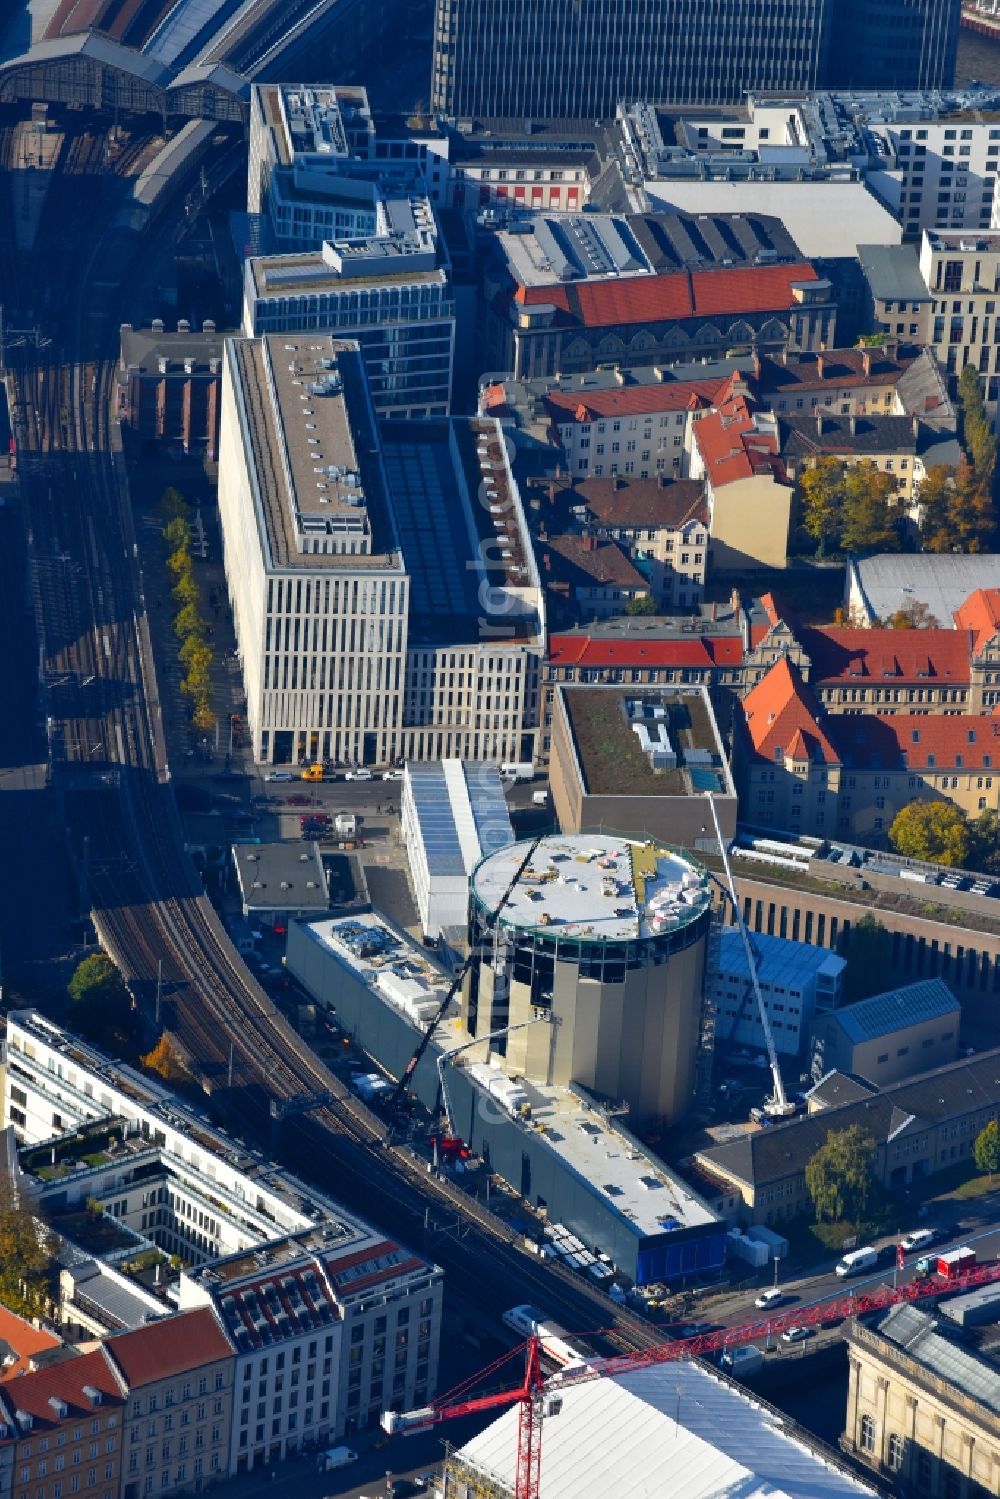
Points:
(840, 654)
(781, 713)
(65, 1380)
(668, 298)
(631, 400)
(981, 614)
(731, 447)
(174, 1346)
(701, 651)
(24, 1340)
(932, 741)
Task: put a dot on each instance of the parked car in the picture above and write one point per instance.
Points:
(359, 775)
(392, 775)
(771, 1297)
(797, 1334)
(279, 775)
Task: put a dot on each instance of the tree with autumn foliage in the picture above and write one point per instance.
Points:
(849, 507)
(936, 832)
(166, 1062)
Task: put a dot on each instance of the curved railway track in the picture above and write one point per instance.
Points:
(147, 902)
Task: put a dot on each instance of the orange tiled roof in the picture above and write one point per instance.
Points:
(932, 741)
(981, 614)
(631, 400)
(677, 295)
(731, 447)
(584, 651)
(24, 1340)
(780, 711)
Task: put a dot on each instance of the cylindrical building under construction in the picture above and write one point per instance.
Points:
(602, 941)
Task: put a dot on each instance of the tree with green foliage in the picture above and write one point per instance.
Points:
(188, 621)
(173, 505)
(100, 1000)
(643, 603)
(819, 499)
(972, 519)
(937, 832)
(867, 519)
(984, 851)
(26, 1262)
(977, 430)
(986, 1148)
(177, 534)
(839, 1176)
(868, 955)
(186, 591)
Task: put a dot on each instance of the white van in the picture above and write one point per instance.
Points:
(335, 1457)
(858, 1260)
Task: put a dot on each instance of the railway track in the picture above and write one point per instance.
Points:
(147, 902)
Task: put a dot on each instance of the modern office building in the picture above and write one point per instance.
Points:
(795, 980)
(563, 59)
(391, 292)
(453, 812)
(385, 597)
(889, 1036)
(602, 941)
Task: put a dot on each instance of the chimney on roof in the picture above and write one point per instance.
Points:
(619, 376)
(783, 357)
(819, 423)
(916, 427)
(543, 534)
(547, 561)
(589, 541)
(891, 349)
(756, 364)
(821, 366)
(853, 424)
(714, 610)
(734, 601)
(866, 361)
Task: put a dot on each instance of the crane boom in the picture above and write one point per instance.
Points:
(447, 1057)
(455, 985)
(531, 1393)
(781, 1105)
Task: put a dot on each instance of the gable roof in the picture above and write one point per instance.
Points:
(68, 1380)
(602, 561)
(811, 436)
(175, 1345)
(780, 713)
(920, 741)
(782, 1150)
(894, 1010)
(841, 654)
(631, 400)
(23, 1341)
(980, 614)
(706, 651)
(842, 367)
(672, 297)
(643, 502)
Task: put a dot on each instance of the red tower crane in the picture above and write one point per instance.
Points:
(533, 1391)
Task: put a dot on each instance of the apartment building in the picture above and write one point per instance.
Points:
(962, 272)
(372, 626)
(662, 524)
(61, 1430)
(900, 446)
(564, 61)
(278, 1285)
(178, 1374)
(735, 448)
(569, 293)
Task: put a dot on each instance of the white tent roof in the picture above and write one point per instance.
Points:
(674, 1429)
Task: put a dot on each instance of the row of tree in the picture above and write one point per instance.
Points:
(190, 625)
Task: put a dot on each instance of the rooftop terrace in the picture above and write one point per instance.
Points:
(610, 754)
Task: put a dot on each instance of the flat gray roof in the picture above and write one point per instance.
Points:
(941, 581)
(281, 876)
(893, 273)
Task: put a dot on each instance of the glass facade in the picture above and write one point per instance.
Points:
(581, 58)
